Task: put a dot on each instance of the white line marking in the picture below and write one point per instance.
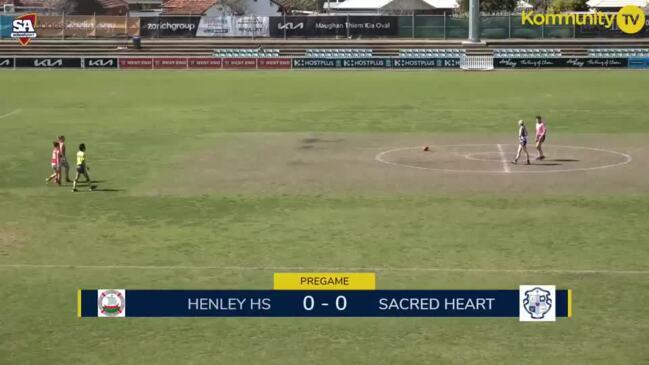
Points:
(503, 158)
(319, 269)
(380, 158)
(10, 113)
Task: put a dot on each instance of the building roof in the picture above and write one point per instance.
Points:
(616, 3)
(185, 7)
(110, 4)
(378, 4)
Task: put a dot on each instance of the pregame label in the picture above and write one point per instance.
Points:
(324, 281)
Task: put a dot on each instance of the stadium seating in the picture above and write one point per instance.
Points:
(338, 53)
(431, 53)
(618, 52)
(527, 52)
(246, 53)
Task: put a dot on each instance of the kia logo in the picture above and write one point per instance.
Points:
(100, 63)
(290, 26)
(48, 63)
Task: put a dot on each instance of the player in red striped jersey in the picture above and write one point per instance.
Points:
(64, 159)
(55, 162)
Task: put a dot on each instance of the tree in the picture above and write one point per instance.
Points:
(558, 6)
(540, 5)
(491, 6)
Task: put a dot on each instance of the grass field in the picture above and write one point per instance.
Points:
(216, 180)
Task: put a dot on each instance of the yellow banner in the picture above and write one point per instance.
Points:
(324, 281)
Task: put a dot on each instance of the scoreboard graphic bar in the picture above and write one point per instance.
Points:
(534, 302)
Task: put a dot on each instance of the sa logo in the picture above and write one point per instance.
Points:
(24, 28)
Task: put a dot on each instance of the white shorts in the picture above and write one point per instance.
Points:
(55, 167)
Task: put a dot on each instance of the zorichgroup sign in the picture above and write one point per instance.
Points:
(630, 19)
(169, 26)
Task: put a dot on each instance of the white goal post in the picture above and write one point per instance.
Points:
(477, 63)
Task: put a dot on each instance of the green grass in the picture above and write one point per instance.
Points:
(140, 126)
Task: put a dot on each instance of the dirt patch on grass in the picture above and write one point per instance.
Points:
(11, 239)
(290, 163)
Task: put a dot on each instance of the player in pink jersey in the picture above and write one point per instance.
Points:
(541, 132)
(64, 159)
(55, 161)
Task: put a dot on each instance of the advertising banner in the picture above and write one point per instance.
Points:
(240, 63)
(638, 62)
(48, 62)
(376, 63)
(316, 63)
(426, 63)
(170, 63)
(6, 26)
(169, 26)
(204, 63)
(136, 63)
(6, 62)
(560, 62)
(366, 63)
(116, 26)
(274, 63)
(80, 26)
(49, 26)
(233, 26)
(100, 62)
(333, 26)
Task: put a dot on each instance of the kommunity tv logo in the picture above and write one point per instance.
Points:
(630, 19)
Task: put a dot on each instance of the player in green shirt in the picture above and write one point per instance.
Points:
(82, 169)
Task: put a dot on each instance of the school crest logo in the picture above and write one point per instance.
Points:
(24, 28)
(111, 303)
(537, 303)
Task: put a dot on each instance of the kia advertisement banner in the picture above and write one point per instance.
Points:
(233, 26)
(48, 62)
(100, 62)
(169, 26)
(334, 26)
(6, 62)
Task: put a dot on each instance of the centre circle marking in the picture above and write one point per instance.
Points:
(381, 157)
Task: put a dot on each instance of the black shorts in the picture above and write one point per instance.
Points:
(81, 169)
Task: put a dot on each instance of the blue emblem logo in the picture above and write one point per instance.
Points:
(537, 302)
